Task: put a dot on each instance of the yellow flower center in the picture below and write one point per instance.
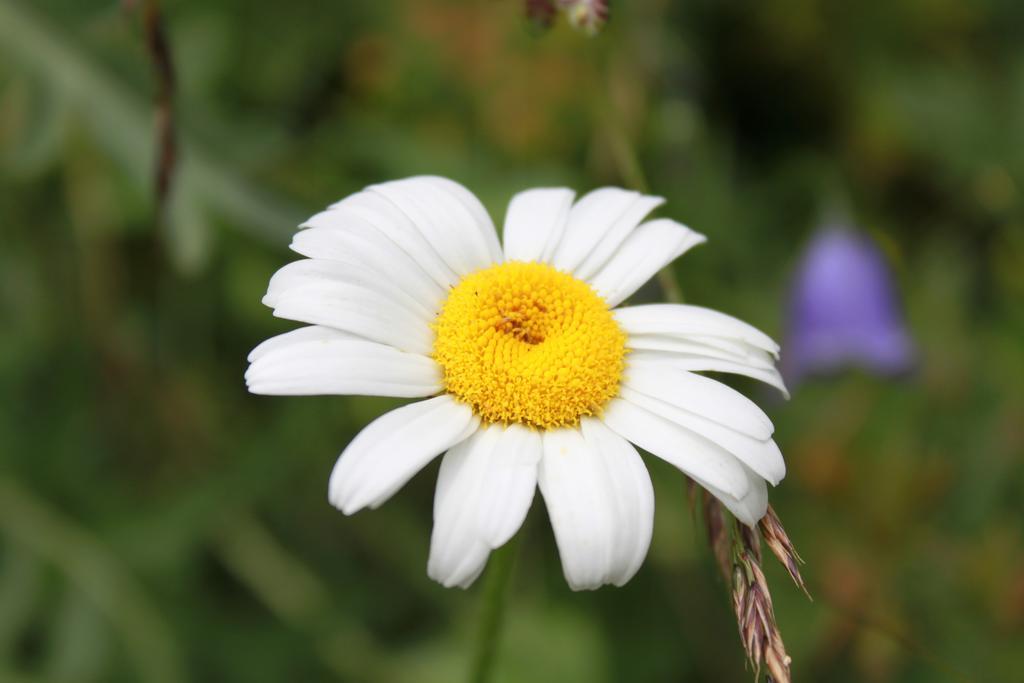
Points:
(523, 342)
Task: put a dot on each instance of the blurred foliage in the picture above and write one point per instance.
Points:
(158, 523)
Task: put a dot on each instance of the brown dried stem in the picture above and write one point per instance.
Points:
(159, 51)
(718, 534)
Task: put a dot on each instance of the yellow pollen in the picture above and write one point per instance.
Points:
(523, 342)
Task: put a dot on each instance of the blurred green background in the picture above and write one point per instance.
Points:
(158, 523)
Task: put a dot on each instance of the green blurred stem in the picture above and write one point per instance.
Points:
(492, 615)
(669, 285)
(624, 152)
(631, 170)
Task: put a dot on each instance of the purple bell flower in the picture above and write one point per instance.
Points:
(844, 310)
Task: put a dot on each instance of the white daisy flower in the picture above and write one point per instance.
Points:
(531, 374)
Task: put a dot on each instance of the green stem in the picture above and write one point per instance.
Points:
(624, 152)
(670, 285)
(492, 615)
(631, 170)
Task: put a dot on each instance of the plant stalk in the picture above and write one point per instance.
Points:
(492, 613)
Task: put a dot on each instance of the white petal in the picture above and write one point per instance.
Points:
(319, 360)
(616, 235)
(647, 250)
(600, 502)
(360, 243)
(508, 483)
(685, 321)
(764, 457)
(535, 222)
(457, 552)
(737, 347)
(443, 222)
(359, 309)
(633, 495)
(694, 455)
(577, 502)
(750, 508)
(484, 491)
(590, 220)
(394, 447)
(300, 274)
(308, 333)
(696, 362)
(478, 214)
(700, 345)
(380, 213)
(700, 395)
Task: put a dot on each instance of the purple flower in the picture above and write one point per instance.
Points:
(844, 310)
